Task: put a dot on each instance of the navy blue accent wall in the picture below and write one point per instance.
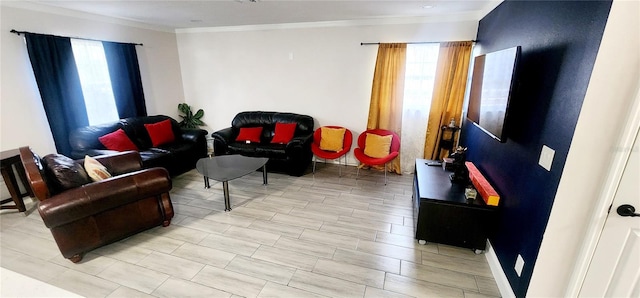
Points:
(559, 41)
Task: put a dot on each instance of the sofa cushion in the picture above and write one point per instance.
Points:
(95, 169)
(64, 172)
(87, 138)
(251, 134)
(377, 146)
(274, 151)
(118, 141)
(284, 133)
(267, 120)
(242, 148)
(160, 132)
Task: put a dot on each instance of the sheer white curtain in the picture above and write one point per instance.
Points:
(94, 78)
(419, 78)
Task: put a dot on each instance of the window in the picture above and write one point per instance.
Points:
(96, 83)
(419, 76)
(421, 63)
(103, 85)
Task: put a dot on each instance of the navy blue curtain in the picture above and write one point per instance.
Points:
(57, 76)
(124, 71)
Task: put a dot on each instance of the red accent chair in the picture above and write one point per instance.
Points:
(372, 161)
(317, 152)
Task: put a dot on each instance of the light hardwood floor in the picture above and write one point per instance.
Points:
(309, 236)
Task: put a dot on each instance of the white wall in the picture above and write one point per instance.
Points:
(612, 88)
(22, 118)
(323, 72)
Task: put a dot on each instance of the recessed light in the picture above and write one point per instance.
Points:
(427, 6)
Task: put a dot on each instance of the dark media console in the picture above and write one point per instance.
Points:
(442, 214)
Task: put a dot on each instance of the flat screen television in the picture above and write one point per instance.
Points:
(492, 83)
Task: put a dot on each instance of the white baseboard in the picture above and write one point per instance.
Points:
(498, 274)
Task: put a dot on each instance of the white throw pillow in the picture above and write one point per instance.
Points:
(95, 169)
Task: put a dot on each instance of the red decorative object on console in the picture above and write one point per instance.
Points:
(489, 195)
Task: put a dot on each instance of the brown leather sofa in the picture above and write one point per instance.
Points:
(87, 216)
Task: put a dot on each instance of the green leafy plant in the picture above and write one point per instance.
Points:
(189, 119)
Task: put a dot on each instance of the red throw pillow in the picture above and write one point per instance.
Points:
(251, 134)
(160, 132)
(284, 132)
(118, 141)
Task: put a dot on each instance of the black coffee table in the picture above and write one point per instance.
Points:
(228, 167)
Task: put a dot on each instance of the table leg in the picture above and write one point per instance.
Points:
(206, 182)
(14, 189)
(227, 201)
(25, 182)
(264, 174)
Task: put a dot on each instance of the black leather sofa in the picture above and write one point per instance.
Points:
(177, 157)
(292, 158)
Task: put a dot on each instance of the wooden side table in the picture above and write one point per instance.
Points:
(9, 160)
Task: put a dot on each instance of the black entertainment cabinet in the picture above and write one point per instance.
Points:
(442, 214)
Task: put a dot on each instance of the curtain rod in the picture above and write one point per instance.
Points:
(416, 42)
(23, 32)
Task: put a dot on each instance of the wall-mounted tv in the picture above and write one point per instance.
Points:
(492, 83)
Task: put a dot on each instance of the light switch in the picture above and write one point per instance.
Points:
(546, 157)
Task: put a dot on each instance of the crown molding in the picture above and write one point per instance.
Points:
(40, 7)
(461, 17)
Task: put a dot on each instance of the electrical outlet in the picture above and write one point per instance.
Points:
(519, 265)
(546, 157)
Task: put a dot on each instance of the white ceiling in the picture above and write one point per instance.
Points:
(182, 14)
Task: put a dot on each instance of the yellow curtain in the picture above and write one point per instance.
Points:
(385, 111)
(448, 93)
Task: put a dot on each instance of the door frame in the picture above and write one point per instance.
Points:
(631, 127)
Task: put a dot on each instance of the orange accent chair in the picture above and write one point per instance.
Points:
(324, 154)
(376, 161)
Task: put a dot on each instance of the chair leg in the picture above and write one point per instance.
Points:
(385, 174)
(340, 167)
(357, 172)
(315, 158)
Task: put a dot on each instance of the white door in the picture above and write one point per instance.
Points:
(615, 268)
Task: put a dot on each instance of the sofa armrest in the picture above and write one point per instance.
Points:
(121, 162)
(299, 142)
(94, 198)
(221, 140)
(193, 135)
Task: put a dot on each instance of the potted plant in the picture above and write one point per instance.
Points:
(189, 119)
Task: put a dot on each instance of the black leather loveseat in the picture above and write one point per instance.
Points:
(293, 157)
(177, 157)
